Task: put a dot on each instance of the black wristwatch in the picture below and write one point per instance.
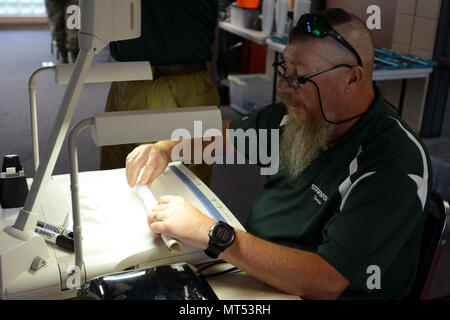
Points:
(221, 236)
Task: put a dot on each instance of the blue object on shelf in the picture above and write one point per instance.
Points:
(386, 59)
(389, 59)
(282, 40)
(383, 62)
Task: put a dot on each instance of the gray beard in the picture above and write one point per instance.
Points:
(301, 142)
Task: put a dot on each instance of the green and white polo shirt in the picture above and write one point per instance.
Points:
(359, 205)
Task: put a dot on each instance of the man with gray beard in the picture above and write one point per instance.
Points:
(301, 142)
(344, 215)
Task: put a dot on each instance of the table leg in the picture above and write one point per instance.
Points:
(227, 44)
(249, 44)
(402, 97)
(274, 88)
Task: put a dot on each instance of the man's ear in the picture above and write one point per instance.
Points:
(355, 77)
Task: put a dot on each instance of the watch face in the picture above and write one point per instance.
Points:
(223, 234)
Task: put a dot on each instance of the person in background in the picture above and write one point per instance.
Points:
(344, 215)
(66, 40)
(176, 39)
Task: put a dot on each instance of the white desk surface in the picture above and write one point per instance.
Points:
(238, 285)
(233, 286)
(378, 75)
(249, 34)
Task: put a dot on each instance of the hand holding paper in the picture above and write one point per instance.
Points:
(149, 203)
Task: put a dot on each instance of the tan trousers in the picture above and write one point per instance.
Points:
(190, 90)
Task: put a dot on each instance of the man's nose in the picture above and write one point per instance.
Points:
(283, 86)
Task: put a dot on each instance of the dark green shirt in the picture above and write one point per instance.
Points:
(172, 32)
(359, 204)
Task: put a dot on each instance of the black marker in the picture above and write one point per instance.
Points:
(55, 229)
(58, 239)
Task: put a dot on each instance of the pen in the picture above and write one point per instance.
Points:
(58, 239)
(55, 229)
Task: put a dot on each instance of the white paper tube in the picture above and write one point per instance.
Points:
(267, 20)
(149, 203)
(281, 17)
(300, 6)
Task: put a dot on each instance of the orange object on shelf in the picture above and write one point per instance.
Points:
(249, 4)
(256, 63)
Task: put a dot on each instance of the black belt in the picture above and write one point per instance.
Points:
(178, 69)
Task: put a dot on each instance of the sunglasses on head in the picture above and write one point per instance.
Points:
(318, 27)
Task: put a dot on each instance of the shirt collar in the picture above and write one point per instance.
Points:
(357, 134)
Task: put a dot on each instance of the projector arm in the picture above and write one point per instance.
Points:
(57, 136)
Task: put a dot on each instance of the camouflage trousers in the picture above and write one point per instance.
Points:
(66, 40)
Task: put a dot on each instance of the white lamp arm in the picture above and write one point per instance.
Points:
(57, 136)
(74, 188)
(33, 113)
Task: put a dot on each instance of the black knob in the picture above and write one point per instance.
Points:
(11, 160)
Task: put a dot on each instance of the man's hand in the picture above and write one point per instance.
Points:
(153, 158)
(176, 217)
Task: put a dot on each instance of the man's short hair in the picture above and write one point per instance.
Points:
(355, 32)
(334, 16)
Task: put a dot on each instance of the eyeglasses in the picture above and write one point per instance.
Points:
(318, 27)
(280, 69)
(295, 83)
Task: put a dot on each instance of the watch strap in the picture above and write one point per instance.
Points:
(213, 251)
(214, 248)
